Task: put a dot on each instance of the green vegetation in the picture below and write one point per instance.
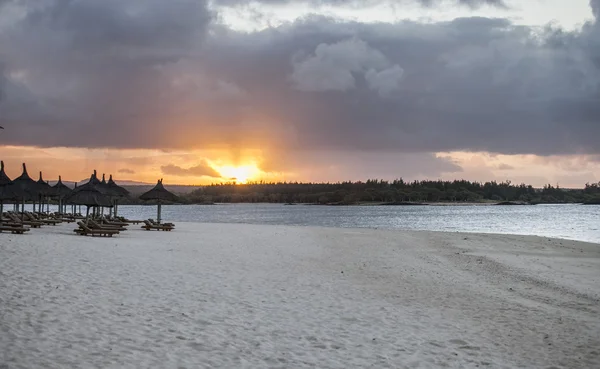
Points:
(397, 192)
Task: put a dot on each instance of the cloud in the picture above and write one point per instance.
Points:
(202, 169)
(504, 166)
(336, 165)
(333, 68)
(143, 74)
(364, 3)
(126, 171)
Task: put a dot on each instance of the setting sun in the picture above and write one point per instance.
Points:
(240, 174)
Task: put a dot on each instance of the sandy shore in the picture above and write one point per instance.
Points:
(247, 296)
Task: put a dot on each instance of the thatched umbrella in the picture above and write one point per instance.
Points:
(4, 179)
(45, 191)
(116, 188)
(61, 191)
(8, 190)
(89, 195)
(29, 188)
(94, 179)
(160, 194)
(117, 192)
(96, 184)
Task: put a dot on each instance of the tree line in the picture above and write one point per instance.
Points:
(389, 192)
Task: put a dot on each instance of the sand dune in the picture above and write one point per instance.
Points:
(248, 296)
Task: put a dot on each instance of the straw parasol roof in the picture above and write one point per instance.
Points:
(115, 188)
(61, 190)
(89, 195)
(44, 188)
(94, 183)
(94, 179)
(103, 186)
(160, 193)
(30, 188)
(8, 190)
(4, 179)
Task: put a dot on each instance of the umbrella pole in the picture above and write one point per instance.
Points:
(87, 215)
(158, 216)
(1, 210)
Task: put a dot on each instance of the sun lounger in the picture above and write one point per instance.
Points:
(36, 218)
(159, 224)
(149, 226)
(106, 221)
(16, 219)
(121, 219)
(15, 229)
(84, 230)
(95, 225)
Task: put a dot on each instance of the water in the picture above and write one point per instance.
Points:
(576, 222)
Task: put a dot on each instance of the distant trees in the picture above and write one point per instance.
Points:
(381, 191)
(591, 193)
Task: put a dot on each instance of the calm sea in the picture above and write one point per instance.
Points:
(577, 222)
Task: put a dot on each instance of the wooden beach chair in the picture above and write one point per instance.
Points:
(84, 230)
(36, 218)
(16, 219)
(106, 221)
(95, 225)
(149, 226)
(121, 219)
(14, 229)
(161, 224)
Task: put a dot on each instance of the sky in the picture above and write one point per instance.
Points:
(200, 92)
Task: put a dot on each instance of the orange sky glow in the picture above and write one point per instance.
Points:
(202, 167)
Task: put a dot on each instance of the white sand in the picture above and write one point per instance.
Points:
(247, 296)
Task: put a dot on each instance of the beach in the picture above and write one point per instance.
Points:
(270, 296)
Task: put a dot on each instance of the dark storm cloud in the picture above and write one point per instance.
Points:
(595, 5)
(153, 75)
